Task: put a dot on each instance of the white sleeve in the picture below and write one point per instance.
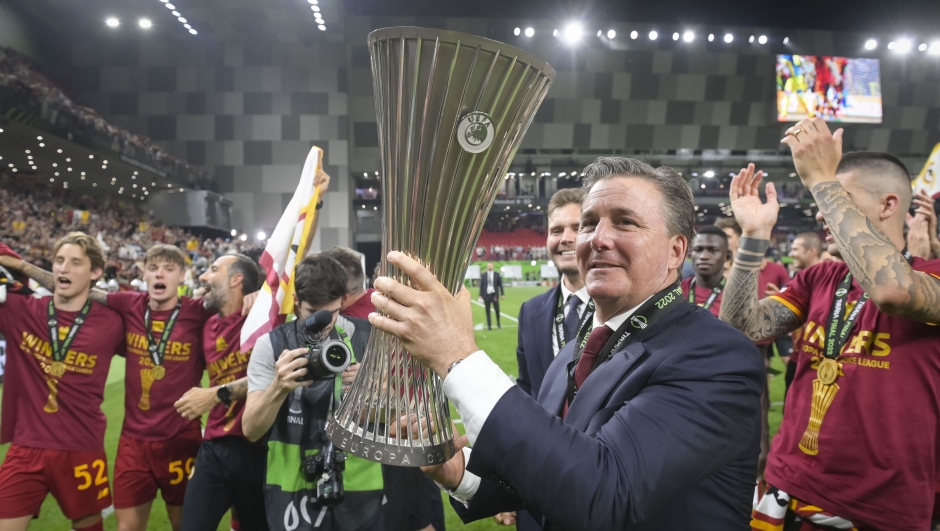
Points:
(475, 385)
(469, 484)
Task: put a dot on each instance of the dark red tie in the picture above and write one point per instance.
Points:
(596, 341)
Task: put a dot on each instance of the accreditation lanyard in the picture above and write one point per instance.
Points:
(560, 319)
(839, 326)
(60, 350)
(716, 291)
(158, 350)
(648, 314)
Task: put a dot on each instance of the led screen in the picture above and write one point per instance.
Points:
(837, 89)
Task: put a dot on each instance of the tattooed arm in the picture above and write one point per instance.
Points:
(875, 261)
(740, 307)
(45, 278)
(873, 258)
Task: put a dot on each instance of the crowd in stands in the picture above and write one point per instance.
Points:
(33, 216)
(25, 87)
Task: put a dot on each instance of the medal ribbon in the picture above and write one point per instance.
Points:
(648, 314)
(560, 320)
(716, 291)
(838, 328)
(59, 351)
(158, 350)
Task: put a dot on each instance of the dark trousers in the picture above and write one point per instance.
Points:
(413, 500)
(229, 472)
(487, 301)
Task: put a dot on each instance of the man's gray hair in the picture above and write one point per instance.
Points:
(678, 207)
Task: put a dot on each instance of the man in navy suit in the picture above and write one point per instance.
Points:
(491, 287)
(652, 421)
(547, 322)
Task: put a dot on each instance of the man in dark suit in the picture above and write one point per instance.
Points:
(653, 425)
(491, 287)
(549, 321)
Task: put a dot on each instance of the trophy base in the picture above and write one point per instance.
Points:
(387, 450)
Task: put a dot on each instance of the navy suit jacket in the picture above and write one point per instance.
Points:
(662, 436)
(534, 351)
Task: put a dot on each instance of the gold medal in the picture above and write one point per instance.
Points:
(158, 372)
(58, 369)
(828, 371)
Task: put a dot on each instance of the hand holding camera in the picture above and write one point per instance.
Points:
(291, 368)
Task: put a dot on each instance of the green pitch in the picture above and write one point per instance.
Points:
(499, 344)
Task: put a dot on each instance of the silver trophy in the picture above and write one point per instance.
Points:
(452, 109)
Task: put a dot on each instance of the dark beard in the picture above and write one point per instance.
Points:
(213, 302)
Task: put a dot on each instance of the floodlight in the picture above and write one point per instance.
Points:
(611, 34)
(762, 39)
(871, 44)
(709, 174)
(572, 33)
(922, 47)
(634, 34)
(675, 36)
(729, 37)
(711, 37)
(903, 46)
(112, 22)
(145, 23)
(653, 35)
(516, 31)
(529, 32)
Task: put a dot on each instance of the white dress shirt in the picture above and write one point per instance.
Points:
(475, 386)
(489, 285)
(565, 293)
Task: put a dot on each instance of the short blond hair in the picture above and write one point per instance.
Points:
(162, 252)
(88, 244)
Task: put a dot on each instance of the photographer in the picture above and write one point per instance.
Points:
(306, 476)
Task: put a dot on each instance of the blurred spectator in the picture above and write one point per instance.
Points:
(22, 85)
(33, 216)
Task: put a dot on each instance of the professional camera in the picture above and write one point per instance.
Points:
(325, 359)
(326, 469)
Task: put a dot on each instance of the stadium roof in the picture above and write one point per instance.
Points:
(228, 17)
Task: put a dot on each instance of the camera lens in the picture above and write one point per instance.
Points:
(335, 355)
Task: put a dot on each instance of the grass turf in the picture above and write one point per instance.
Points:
(499, 344)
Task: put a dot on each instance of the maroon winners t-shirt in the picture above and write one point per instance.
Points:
(864, 448)
(221, 344)
(41, 410)
(149, 414)
(701, 296)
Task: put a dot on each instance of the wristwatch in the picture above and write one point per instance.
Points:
(225, 395)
